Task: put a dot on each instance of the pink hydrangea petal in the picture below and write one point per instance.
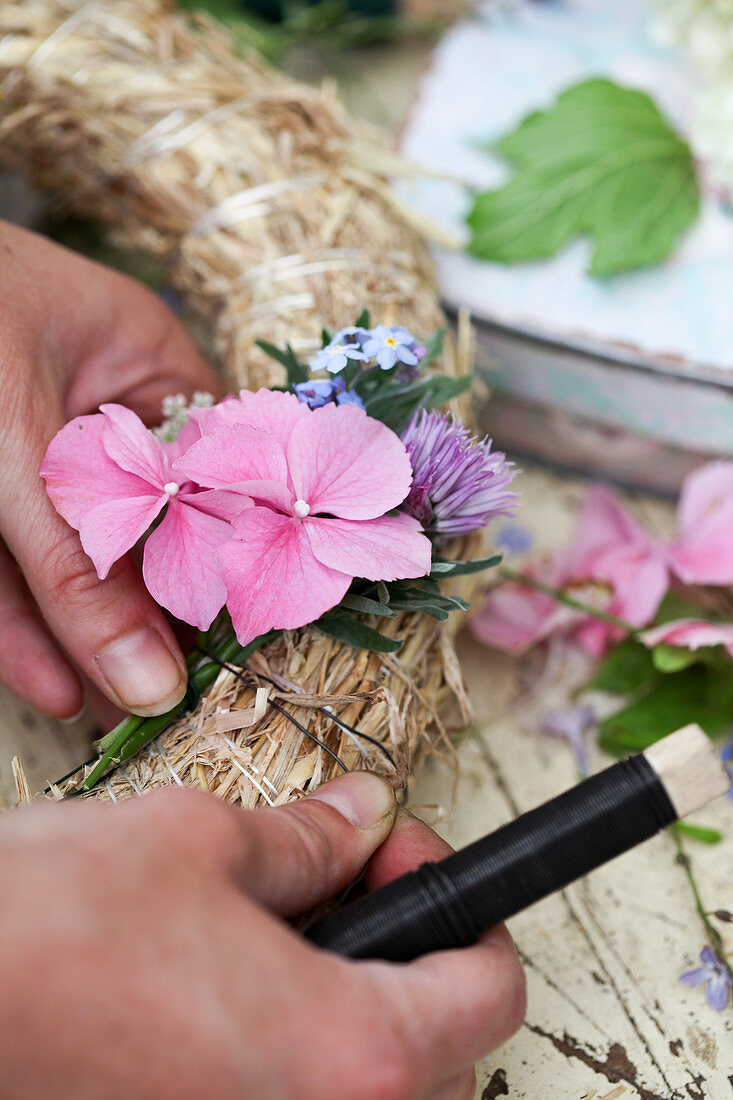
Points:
(594, 637)
(603, 522)
(129, 443)
(216, 502)
(705, 555)
(704, 491)
(236, 457)
(269, 410)
(513, 618)
(705, 560)
(111, 529)
(639, 579)
(180, 564)
(188, 435)
(273, 580)
(79, 473)
(344, 462)
(690, 633)
(386, 549)
(703, 550)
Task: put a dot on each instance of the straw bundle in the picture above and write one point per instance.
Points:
(272, 210)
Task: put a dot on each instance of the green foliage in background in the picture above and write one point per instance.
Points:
(603, 163)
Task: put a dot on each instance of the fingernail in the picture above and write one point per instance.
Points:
(363, 798)
(74, 717)
(142, 673)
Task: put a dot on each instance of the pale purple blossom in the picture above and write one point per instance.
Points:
(350, 397)
(726, 755)
(392, 345)
(572, 725)
(337, 353)
(317, 392)
(514, 538)
(326, 391)
(716, 976)
(458, 483)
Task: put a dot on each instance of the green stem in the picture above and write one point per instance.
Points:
(713, 935)
(569, 601)
(134, 733)
(124, 729)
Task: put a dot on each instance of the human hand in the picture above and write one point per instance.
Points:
(72, 336)
(143, 955)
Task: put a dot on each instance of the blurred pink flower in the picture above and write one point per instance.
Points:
(702, 552)
(110, 478)
(611, 562)
(321, 481)
(690, 634)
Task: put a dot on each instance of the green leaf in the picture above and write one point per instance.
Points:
(365, 606)
(364, 319)
(698, 832)
(395, 404)
(602, 162)
(356, 633)
(434, 347)
(674, 606)
(626, 669)
(461, 568)
(672, 658)
(700, 694)
(297, 371)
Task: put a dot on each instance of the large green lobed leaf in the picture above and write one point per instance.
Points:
(602, 162)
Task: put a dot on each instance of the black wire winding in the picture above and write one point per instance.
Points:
(451, 903)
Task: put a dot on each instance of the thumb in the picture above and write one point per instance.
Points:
(299, 855)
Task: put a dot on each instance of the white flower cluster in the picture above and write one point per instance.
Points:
(703, 29)
(176, 408)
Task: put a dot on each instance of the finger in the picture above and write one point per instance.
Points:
(301, 854)
(453, 1007)
(31, 664)
(140, 355)
(461, 1087)
(410, 843)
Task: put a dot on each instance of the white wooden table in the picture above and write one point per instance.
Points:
(607, 1016)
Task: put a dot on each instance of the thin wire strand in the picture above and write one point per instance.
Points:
(324, 710)
(241, 676)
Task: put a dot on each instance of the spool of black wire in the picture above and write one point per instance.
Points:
(451, 903)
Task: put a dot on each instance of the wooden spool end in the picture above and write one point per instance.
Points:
(690, 769)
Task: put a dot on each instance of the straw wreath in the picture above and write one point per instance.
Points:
(273, 214)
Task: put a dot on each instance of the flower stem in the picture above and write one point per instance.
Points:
(714, 937)
(570, 601)
(134, 733)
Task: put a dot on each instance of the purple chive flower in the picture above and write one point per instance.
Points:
(716, 976)
(458, 482)
(573, 725)
(325, 391)
(392, 345)
(345, 345)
